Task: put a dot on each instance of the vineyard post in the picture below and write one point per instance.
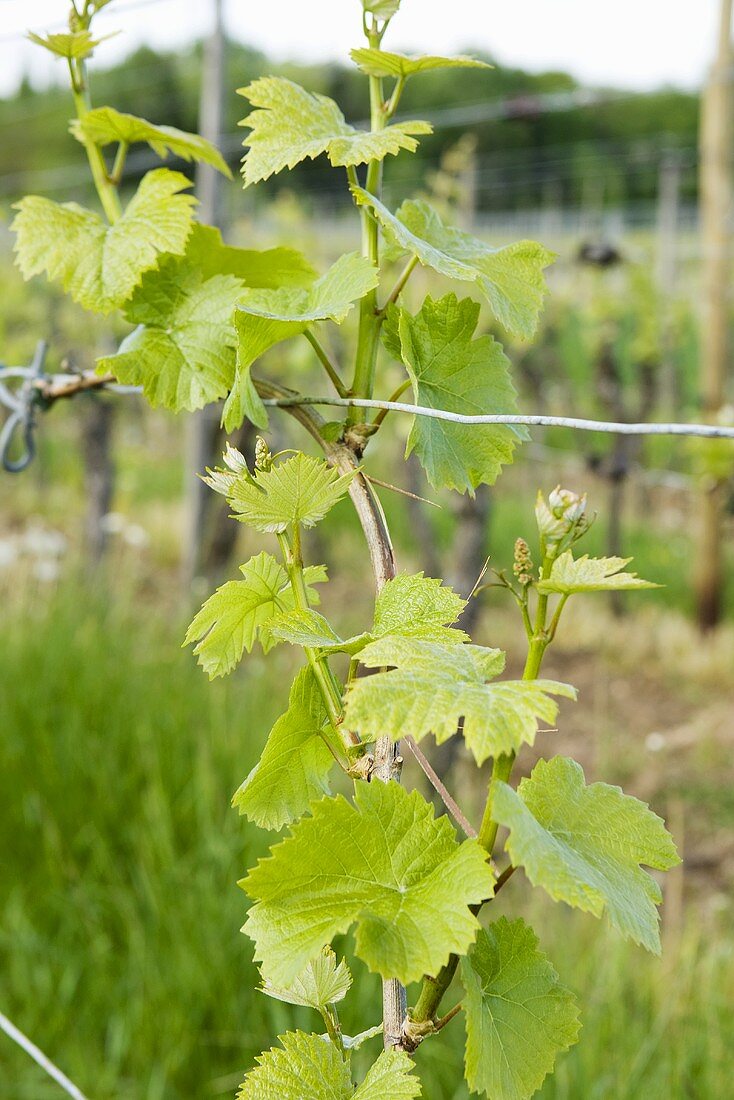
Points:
(717, 203)
(202, 429)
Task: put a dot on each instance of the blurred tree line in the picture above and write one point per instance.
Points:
(527, 157)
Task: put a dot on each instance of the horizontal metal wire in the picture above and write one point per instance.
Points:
(707, 431)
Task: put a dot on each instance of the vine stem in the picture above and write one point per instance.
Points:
(325, 678)
(326, 362)
(370, 320)
(440, 787)
(387, 762)
(434, 988)
(399, 285)
(379, 544)
(106, 189)
(333, 1028)
(404, 385)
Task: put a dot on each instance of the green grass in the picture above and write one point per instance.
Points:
(119, 945)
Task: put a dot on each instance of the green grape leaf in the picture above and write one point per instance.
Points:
(390, 1076)
(385, 863)
(105, 125)
(329, 298)
(276, 267)
(305, 1067)
(585, 574)
(231, 619)
(322, 982)
(309, 1067)
(518, 1015)
(415, 606)
(75, 46)
(584, 845)
(354, 1042)
(273, 267)
(255, 336)
(300, 490)
(100, 265)
(383, 9)
(291, 125)
(295, 764)
(390, 332)
(435, 687)
(511, 277)
(410, 605)
(305, 628)
(380, 63)
(183, 350)
(450, 370)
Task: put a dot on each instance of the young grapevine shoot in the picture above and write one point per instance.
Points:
(417, 899)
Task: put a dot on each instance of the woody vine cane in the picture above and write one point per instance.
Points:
(379, 862)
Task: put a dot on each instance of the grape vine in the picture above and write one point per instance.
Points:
(379, 863)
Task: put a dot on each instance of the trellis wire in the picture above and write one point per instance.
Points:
(707, 431)
(40, 1058)
(39, 390)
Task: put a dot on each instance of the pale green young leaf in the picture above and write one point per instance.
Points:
(74, 46)
(433, 687)
(322, 982)
(221, 479)
(585, 845)
(390, 332)
(383, 9)
(385, 863)
(255, 336)
(518, 1015)
(273, 267)
(294, 767)
(183, 350)
(452, 371)
(383, 64)
(585, 574)
(105, 125)
(305, 1067)
(354, 1042)
(390, 1076)
(309, 1067)
(418, 607)
(410, 606)
(300, 490)
(329, 298)
(231, 619)
(291, 125)
(305, 628)
(511, 277)
(100, 265)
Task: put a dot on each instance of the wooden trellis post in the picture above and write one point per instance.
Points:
(717, 146)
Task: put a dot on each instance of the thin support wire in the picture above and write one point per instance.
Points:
(39, 390)
(706, 431)
(40, 1058)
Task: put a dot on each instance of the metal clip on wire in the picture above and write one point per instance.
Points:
(22, 403)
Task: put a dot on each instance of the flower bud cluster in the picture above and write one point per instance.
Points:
(263, 457)
(523, 564)
(562, 518)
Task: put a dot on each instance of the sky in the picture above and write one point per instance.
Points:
(637, 44)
